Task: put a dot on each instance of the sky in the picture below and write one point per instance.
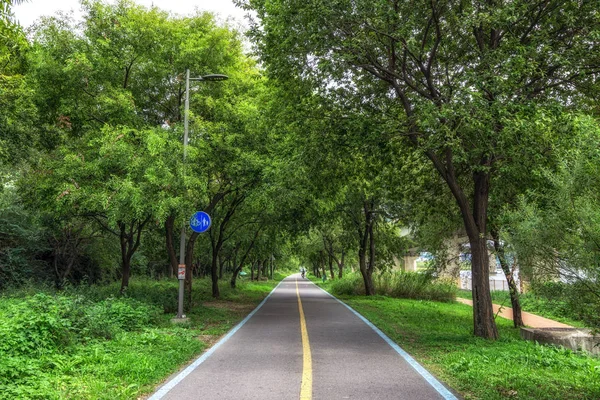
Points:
(31, 10)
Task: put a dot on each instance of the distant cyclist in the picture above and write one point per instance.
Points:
(303, 271)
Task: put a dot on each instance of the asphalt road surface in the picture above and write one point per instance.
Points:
(301, 343)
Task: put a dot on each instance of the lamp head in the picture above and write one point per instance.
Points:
(215, 77)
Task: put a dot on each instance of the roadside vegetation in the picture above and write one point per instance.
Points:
(439, 336)
(86, 343)
(554, 300)
(421, 286)
(351, 137)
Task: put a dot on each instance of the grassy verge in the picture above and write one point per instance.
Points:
(530, 302)
(439, 336)
(84, 343)
(410, 285)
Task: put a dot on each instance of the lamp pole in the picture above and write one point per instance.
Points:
(181, 269)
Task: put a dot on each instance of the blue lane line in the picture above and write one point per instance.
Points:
(441, 389)
(159, 394)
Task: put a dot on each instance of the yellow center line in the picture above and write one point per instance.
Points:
(306, 386)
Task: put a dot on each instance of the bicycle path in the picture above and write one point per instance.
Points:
(301, 343)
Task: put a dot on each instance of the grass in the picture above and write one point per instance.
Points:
(84, 343)
(394, 284)
(439, 335)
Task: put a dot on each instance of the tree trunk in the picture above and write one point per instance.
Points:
(475, 222)
(258, 268)
(169, 237)
(126, 241)
(341, 265)
(125, 272)
(243, 260)
(214, 274)
(130, 241)
(252, 271)
(221, 264)
(483, 315)
(512, 286)
(330, 261)
(484, 324)
(366, 238)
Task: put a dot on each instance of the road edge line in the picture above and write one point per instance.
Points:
(437, 385)
(160, 393)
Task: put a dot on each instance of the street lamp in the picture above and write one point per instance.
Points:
(180, 274)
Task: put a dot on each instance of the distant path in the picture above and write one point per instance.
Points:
(304, 344)
(531, 320)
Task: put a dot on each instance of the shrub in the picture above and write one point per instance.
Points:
(411, 285)
(350, 284)
(578, 300)
(43, 323)
(414, 285)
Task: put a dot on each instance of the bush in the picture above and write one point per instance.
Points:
(411, 285)
(161, 294)
(350, 284)
(414, 285)
(43, 323)
(578, 300)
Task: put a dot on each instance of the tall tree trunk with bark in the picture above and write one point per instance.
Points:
(221, 264)
(258, 268)
(214, 275)
(238, 269)
(512, 285)
(330, 260)
(129, 238)
(366, 243)
(475, 221)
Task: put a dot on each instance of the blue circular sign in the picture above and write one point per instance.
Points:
(200, 222)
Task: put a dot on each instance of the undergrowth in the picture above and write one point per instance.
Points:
(87, 343)
(410, 285)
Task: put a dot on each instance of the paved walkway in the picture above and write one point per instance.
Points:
(301, 343)
(531, 320)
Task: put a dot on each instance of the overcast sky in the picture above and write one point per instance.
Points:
(31, 10)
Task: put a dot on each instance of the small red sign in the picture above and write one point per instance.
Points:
(181, 271)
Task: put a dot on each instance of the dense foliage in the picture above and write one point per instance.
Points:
(85, 343)
(357, 125)
(356, 133)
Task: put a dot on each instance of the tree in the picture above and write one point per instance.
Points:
(555, 230)
(115, 178)
(117, 79)
(458, 71)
